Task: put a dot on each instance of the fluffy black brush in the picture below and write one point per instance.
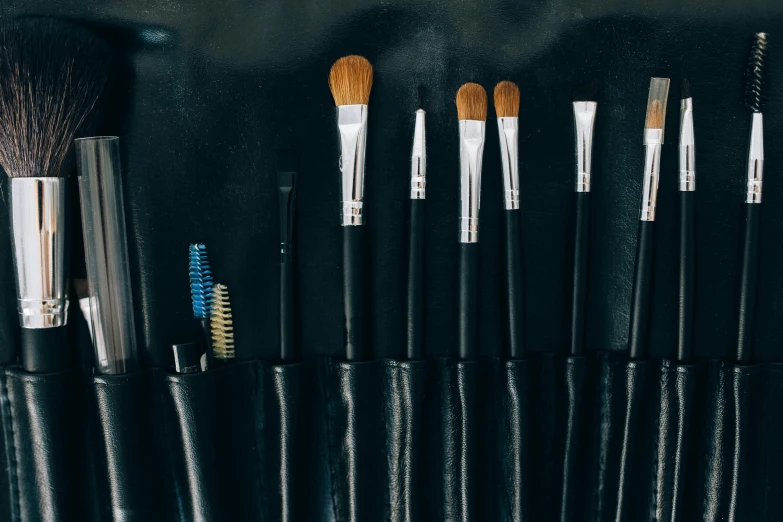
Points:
(52, 75)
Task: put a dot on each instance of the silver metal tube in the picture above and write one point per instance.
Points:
(352, 124)
(755, 159)
(106, 249)
(471, 151)
(687, 147)
(653, 139)
(38, 230)
(419, 158)
(584, 124)
(508, 131)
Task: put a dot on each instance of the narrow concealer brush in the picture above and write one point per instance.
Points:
(506, 98)
(754, 82)
(687, 261)
(472, 114)
(350, 80)
(416, 278)
(643, 271)
(585, 106)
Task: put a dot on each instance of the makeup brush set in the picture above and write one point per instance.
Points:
(215, 435)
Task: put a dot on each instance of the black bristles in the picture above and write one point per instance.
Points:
(287, 165)
(52, 74)
(588, 92)
(685, 89)
(420, 95)
(754, 74)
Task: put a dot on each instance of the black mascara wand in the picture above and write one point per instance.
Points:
(754, 82)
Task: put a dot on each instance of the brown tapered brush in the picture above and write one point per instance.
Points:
(350, 81)
(472, 113)
(52, 74)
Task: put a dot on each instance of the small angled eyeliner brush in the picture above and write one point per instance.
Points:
(687, 188)
(416, 296)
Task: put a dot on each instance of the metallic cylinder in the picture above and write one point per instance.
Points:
(687, 147)
(38, 230)
(471, 151)
(419, 158)
(508, 131)
(755, 159)
(352, 124)
(106, 249)
(652, 164)
(584, 124)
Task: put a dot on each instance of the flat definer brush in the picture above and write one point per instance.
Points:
(687, 188)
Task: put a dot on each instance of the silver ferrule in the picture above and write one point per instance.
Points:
(508, 131)
(584, 123)
(687, 150)
(653, 139)
(419, 158)
(471, 151)
(38, 230)
(755, 159)
(352, 123)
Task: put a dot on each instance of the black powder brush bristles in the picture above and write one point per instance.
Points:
(287, 168)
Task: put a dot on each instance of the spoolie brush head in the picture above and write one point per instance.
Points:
(52, 74)
(506, 100)
(685, 89)
(754, 74)
(472, 102)
(222, 324)
(201, 284)
(350, 80)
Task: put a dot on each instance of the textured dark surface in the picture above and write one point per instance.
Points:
(214, 86)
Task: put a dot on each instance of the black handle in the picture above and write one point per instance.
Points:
(687, 275)
(287, 342)
(46, 350)
(515, 286)
(640, 296)
(748, 283)
(468, 301)
(581, 253)
(353, 293)
(416, 282)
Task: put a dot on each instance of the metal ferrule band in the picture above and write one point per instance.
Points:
(471, 152)
(508, 131)
(352, 124)
(652, 164)
(38, 230)
(755, 159)
(419, 158)
(584, 124)
(687, 147)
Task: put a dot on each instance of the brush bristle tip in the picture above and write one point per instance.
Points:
(350, 80)
(472, 102)
(506, 97)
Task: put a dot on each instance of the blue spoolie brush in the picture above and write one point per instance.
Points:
(201, 292)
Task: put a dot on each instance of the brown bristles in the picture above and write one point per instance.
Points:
(350, 80)
(472, 102)
(506, 100)
(654, 116)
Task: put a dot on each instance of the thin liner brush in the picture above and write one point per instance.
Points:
(585, 107)
(687, 188)
(416, 297)
(201, 287)
(472, 114)
(350, 81)
(754, 82)
(653, 140)
(506, 97)
(52, 75)
(286, 187)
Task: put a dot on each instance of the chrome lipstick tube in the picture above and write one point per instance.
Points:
(471, 151)
(38, 231)
(687, 147)
(508, 131)
(584, 122)
(419, 158)
(352, 124)
(755, 159)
